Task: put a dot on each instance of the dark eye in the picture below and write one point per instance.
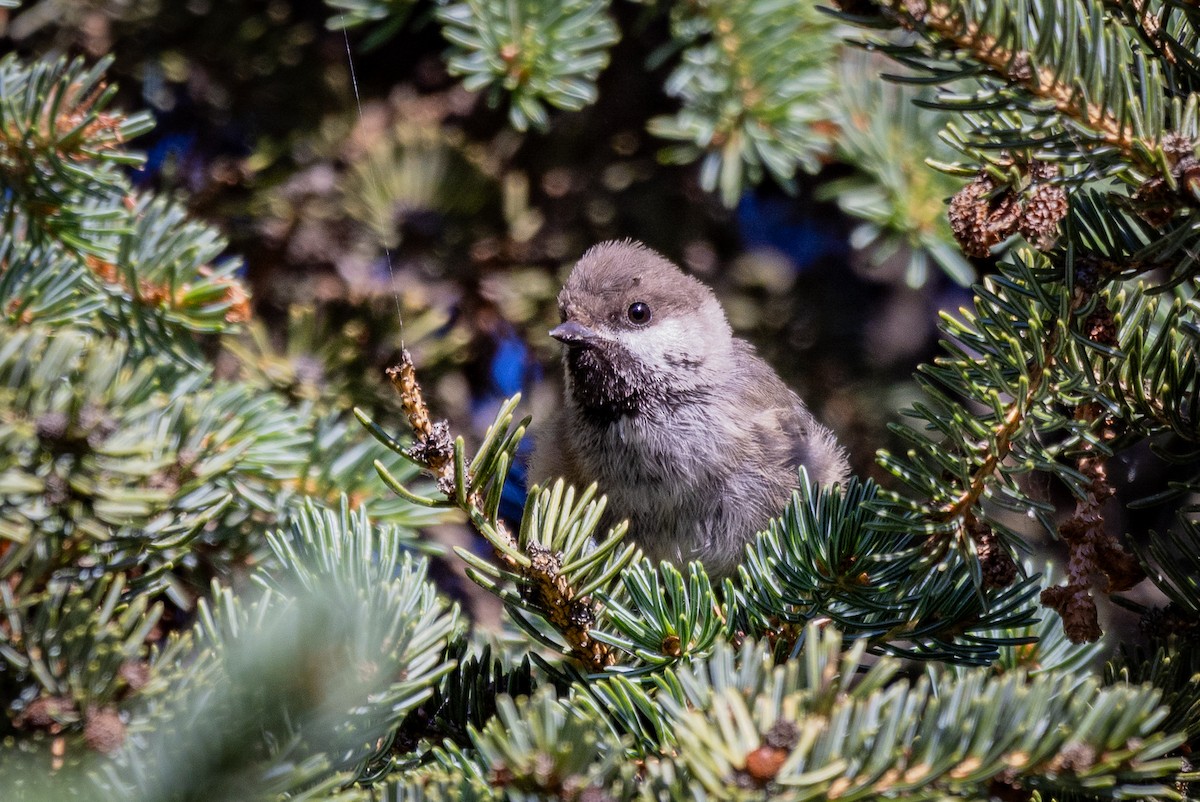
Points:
(639, 313)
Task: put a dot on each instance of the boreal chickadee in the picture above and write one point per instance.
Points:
(695, 440)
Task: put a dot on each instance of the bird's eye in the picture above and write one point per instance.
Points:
(639, 313)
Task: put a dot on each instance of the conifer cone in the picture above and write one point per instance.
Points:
(1045, 209)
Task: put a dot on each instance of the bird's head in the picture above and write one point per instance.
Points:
(638, 331)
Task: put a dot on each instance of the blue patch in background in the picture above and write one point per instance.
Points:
(781, 223)
(512, 369)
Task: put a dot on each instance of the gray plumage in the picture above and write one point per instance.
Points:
(693, 438)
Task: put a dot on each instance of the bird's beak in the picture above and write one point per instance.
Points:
(572, 333)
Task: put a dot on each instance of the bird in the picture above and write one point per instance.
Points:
(694, 439)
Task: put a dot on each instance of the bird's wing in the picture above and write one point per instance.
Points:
(806, 441)
(814, 447)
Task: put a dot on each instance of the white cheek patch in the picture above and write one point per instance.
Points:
(669, 341)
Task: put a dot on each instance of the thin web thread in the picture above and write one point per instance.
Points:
(372, 170)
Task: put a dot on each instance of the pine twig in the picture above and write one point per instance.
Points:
(547, 588)
(940, 20)
(434, 448)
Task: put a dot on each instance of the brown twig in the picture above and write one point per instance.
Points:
(962, 508)
(545, 586)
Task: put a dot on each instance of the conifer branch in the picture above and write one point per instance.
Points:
(828, 558)
(183, 299)
(752, 91)
(954, 27)
(550, 586)
(996, 566)
(384, 17)
(76, 241)
(994, 452)
(541, 52)
(826, 724)
(295, 689)
(71, 124)
(956, 512)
